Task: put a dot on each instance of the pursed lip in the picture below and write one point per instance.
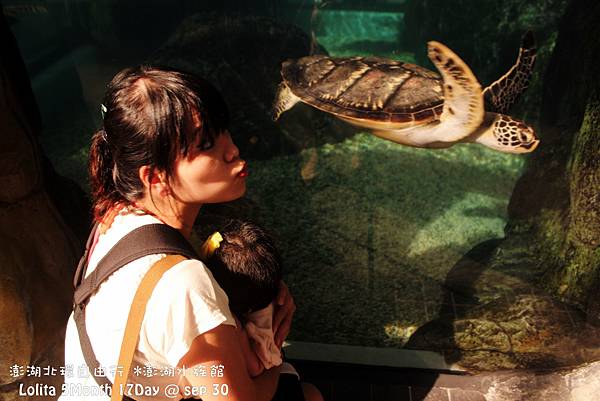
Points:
(243, 170)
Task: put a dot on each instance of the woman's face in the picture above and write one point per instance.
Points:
(211, 172)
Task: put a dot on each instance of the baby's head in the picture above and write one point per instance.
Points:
(246, 265)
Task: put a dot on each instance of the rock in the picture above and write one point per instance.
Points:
(533, 349)
(16, 343)
(524, 310)
(555, 205)
(585, 179)
(533, 332)
(38, 259)
(19, 163)
(494, 317)
(38, 252)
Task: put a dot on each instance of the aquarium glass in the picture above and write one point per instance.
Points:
(369, 229)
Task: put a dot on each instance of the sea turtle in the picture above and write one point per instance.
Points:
(411, 105)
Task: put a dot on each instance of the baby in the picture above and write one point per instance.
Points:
(246, 264)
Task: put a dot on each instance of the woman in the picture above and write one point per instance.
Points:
(163, 152)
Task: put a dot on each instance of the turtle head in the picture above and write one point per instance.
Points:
(284, 100)
(508, 135)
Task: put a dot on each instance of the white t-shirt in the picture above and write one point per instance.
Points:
(186, 302)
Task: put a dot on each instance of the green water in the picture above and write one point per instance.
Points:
(369, 230)
(350, 33)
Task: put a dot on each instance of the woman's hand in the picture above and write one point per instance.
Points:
(221, 346)
(284, 311)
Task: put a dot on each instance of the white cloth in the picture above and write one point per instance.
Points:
(260, 330)
(186, 302)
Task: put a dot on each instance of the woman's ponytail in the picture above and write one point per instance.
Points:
(102, 186)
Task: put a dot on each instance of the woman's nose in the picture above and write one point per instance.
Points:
(231, 151)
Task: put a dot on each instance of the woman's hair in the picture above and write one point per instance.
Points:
(247, 266)
(147, 121)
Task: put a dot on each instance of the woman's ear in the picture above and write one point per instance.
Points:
(144, 173)
(154, 182)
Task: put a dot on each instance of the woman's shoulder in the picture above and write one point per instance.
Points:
(123, 223)
(190, 273)
(186, 302)
(192, 278)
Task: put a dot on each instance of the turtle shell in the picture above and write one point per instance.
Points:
(367, 88)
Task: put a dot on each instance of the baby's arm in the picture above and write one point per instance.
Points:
(253, 364)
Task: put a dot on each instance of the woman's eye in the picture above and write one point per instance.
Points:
(206, 144)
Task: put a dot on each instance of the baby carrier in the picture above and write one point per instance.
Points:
(146, 240)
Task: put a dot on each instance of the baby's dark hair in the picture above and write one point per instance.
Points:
(247, 266)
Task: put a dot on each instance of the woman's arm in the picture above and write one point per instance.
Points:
(221, 346)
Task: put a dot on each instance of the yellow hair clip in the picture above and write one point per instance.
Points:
(209, 246)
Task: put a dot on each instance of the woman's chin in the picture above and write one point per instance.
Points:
(242, 190)
(234, 195)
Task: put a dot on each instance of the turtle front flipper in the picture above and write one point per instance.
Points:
(502, 94)
(462, 113)
(463, 101)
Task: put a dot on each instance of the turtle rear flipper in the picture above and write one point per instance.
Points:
(503, 93)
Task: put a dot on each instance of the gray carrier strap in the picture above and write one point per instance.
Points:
(146, 240)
